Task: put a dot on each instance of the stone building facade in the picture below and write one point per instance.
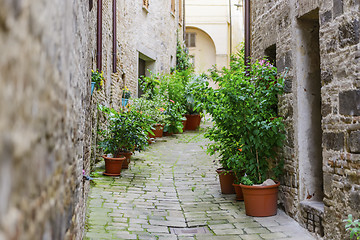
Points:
(316, 44)
(48, 117)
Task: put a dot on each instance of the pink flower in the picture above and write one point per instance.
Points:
(172, 101)
(161, 109)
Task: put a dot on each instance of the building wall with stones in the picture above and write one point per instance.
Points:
(315, 44)
(48, 117)
(45, 67)
(144, 33)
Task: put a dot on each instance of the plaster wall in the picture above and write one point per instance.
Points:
(204, 53)
(214, 19)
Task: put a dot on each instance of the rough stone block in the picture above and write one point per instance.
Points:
(349, 33)
(288, 85)
(333, 141)
(327, 76)
(325, 17)
(355, 200)
(349, 103)
(338, 6)
(354, 142)
(284, 62)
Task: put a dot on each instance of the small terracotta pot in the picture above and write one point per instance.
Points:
(113, 165)
(238, 191)
(260, 201)
(226, 178)
(192, 121)
(158, 131)
(127, 156)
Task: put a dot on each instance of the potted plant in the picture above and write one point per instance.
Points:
(262, 134)
(126, 94)
(247, 131)
(155, 110)
(97, 80)
(194, 107)
(127, 132)
(174, 118)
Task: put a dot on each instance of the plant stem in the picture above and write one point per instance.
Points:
(258, 165)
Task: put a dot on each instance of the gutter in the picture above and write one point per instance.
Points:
(247, 32)
(114, 37)
(99, 36)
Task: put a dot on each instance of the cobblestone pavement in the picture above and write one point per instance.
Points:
(171, 191)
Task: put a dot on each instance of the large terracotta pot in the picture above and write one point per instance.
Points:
(158, 131)
(226, 178)
(260, 201)
(238, 191)
(127, 155)
(113, 165)
(192, 121)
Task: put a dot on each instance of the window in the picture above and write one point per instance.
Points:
(146, 3)
(190, 39)
(173, 6)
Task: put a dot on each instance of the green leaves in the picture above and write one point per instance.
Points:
(353, 226)
(244, 114)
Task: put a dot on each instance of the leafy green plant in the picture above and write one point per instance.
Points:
(353, 226)
(155, 108)
(247, 131)
(127, 131)
(182, 57)
(174, 118)
(98, 78)
(195, 86)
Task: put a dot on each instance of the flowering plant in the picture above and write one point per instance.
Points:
(126, 93)
(98, 78)
(155, 108)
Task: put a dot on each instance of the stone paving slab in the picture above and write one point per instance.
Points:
(173, 185)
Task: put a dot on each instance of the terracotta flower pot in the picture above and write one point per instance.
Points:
(158, 131)
(260, 201)
(226, 178)
(192, 121)
(127, 155)
(113, 165)
(238, 191)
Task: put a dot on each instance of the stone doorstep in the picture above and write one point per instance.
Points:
(190, 231)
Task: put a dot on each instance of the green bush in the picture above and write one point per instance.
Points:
(247, 131)
(127, 131)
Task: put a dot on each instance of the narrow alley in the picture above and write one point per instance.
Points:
(171, 191)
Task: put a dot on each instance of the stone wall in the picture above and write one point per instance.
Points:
(319, 202)
(44, 117)
(48, 118)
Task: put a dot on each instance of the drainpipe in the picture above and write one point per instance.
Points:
(183, 19)
(99, 36)
(230, 21)
(114, 36)
(247, 32)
